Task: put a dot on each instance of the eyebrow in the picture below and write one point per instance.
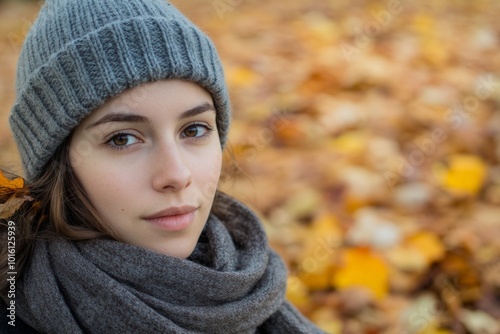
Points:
(197, 110)
(133, 118)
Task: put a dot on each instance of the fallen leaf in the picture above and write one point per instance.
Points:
(363, 268)
(297, 293)
(316, 260)
(16, 183)
(478, 322)
(11, 206)
(326, 320)
(428, 244)
(241, 77)
(465, 175)
(369, 229)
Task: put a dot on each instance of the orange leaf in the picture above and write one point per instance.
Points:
(8, 203)
(16, 183)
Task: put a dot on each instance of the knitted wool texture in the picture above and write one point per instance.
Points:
(233, 283)
(79, 53)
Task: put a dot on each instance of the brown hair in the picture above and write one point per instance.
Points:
(59, 207)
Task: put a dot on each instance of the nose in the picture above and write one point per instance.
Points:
(170, 170)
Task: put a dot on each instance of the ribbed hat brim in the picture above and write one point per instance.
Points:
(86, 72)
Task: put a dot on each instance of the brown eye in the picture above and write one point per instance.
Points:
(197, 131)
(120, 140)
(191, 131)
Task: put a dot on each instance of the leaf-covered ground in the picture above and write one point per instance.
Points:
(366, 134)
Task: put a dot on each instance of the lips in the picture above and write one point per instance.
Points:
(174, 218)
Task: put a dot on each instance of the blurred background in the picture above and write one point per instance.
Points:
(366, 135)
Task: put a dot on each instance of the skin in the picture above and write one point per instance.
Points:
(132, 168)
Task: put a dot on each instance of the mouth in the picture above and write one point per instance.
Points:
(173, 219)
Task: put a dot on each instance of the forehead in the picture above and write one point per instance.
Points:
(172, 92)
(169, 96)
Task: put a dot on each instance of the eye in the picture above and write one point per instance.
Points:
(122, 140)
(197, 131)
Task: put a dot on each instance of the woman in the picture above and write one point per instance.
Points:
(120, 119)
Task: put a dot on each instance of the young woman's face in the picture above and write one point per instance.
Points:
(150, 160)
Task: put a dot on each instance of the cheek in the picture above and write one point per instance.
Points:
(206, 171)
(106, 186)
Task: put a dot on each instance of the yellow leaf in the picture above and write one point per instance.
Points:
(316, 274)
(433, 328)
(241, 77)
(407, 258)
(428, 244)
(435, 52)
(319, 31)
(465, 175)
(303, 202)
(363, 268)
(424, 24)
(351, 143)
(328, 228)
(297, 292)
(432, 48)
(326, 320)
(316, 263)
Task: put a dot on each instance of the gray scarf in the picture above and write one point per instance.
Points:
(232, 283)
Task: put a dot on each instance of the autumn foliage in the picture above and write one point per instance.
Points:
(366, 135)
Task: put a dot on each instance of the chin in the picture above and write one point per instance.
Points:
(178, 250)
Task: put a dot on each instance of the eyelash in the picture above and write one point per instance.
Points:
(108, 141)
(208, 132)
(117, 134)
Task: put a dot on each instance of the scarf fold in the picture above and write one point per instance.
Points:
(232, 283)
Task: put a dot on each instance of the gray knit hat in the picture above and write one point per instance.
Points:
(79, 53)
